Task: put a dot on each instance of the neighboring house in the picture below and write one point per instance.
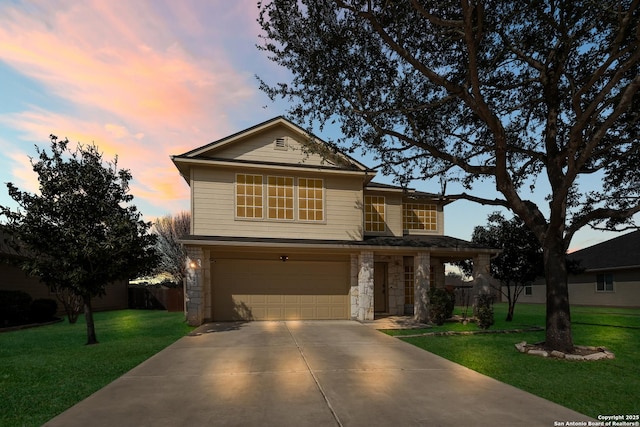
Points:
(13, 278)
(610, 276)
(284, 227)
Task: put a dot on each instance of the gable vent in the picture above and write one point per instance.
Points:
(280, 144)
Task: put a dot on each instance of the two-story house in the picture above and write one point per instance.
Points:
(284, 227)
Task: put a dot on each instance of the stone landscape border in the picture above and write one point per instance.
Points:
(582, 352)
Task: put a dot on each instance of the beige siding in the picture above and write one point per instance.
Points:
(392, 213)
(214, 208)
(260, 148)
(582, 291)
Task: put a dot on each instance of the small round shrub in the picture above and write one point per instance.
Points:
(441, 304)
(43, 310)
(14, 307)
(484, 308)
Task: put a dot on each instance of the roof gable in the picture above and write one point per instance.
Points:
(276, 141)
(619, 252)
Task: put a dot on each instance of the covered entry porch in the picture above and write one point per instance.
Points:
(392, 276)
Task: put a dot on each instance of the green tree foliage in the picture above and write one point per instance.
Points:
(519, 264)
(531, 97)
(173, 256)
(80, 231)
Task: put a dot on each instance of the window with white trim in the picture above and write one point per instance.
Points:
(604, 282)
(280, 197)
(374, 214)
(310, 199)
(249, 196)
(419, 216)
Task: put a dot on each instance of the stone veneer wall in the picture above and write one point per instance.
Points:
(421, 266)
(195, 295)
(354, 293)
(365, 286)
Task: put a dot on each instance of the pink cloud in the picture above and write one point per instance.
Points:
(131, 79)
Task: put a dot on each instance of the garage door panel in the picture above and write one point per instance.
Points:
(270, 290)
(292, 299)
(274, 299)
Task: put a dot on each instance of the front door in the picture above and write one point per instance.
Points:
(380, 287)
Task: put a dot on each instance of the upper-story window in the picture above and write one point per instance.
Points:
(310, 199)
(280, 197)
(276, 198)
(419, 216)
(249, 196)
(604, 282)
(374, 214)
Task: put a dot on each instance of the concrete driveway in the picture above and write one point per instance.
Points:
(310, 373)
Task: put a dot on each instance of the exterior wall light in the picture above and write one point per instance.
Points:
(195, 263)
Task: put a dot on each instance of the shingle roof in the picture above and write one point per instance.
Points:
(436, 242)
(619, 252)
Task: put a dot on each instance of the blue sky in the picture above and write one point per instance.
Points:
(145, 80)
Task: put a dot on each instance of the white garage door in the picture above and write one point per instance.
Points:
(276, 290)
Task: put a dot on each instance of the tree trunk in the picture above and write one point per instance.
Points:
(88, 315)
(558, 336)
(510, 312)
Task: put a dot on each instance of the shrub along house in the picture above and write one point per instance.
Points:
(283, 227)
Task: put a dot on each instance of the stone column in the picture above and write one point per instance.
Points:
(365, 286)
(354, 293)
(195, 295)
(421, 265)
(481, 274)
(481, 278)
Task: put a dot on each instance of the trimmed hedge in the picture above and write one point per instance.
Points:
(15, 308)
(43, 310)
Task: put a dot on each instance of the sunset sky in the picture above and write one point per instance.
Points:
(145, 80)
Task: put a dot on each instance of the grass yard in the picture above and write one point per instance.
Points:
(603, 387)
(47, 369)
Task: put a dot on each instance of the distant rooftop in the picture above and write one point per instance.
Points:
(619, 252)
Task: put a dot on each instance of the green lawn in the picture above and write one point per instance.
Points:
(47, 369)
(592, 388)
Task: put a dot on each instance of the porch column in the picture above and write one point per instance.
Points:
(481, 278)
(355, 291)
(421, 265)
(194, 295)
(365, 286)
(482, 274)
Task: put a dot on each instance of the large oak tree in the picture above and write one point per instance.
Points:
(80, 232)
(530, 96)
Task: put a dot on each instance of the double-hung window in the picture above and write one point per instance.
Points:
(374, 214)
(280, 197)
(419, 216)
(310, 199)
(604, 282)
(249, 196)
